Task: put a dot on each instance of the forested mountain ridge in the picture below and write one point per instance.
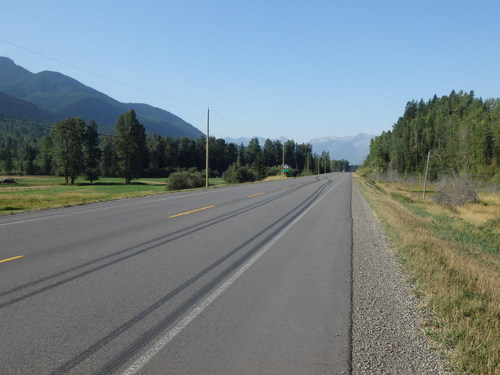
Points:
(461, 133)
(63, 127)
(63, 97)
(14, 108)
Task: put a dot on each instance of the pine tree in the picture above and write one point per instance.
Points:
(130, 144)
(8, 163)
(269, 156)
(67, 137)
(45, 155)
(91, 151)
(253, 151)
(241, 155)
(109, 164)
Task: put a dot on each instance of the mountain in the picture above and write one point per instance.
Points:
(14, 108)
(353, 148)
(245, 141)
(61, 96)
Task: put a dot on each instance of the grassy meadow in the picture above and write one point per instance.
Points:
(452, 255)
(31, 193)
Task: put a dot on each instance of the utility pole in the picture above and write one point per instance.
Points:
(426, 171)
(206, 148)
(283, 164)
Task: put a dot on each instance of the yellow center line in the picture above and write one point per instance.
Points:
(255, 195)
(190, 212)
(9, 259)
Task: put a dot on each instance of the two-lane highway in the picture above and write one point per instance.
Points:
(252, 279)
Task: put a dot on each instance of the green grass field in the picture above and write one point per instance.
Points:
(31, 193)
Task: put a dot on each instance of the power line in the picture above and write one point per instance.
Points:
(232, 123)
(100, 75)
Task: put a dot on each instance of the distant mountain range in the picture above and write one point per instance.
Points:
(351, 148)
(51, 96)
(245, 141)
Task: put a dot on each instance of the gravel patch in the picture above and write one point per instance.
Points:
(386, 330)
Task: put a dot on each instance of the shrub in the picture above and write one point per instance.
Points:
(185, 180)
(237, 174)
(211, 173)
(455, 191)
(274, 171)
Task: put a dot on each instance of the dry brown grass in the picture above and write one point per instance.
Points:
(457, 281)
(275, 178)
(152, 182)
(480, 213)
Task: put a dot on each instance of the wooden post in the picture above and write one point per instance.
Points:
(426, 171)
(206, 151)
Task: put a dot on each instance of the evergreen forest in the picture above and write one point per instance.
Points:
(76, 149)
(459, 134)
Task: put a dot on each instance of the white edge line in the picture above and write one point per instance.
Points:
(139, 363)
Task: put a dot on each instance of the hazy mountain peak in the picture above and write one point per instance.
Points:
(331, 138)
(351, 148)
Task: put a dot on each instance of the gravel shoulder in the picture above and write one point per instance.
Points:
(386, 330)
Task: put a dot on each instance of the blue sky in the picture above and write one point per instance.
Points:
(294, 69)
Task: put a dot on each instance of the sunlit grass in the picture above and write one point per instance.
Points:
(42, 192)
(455, 263)
(486, 212)
(276, 178)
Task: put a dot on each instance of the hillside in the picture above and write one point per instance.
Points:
(62, 96)
(14, 108)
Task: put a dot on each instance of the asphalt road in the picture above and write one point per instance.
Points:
(253, 279)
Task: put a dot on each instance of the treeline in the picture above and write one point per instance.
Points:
(461, 132)
(74, 148)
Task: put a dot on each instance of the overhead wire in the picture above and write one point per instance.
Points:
(101, 75)
(232, 123)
